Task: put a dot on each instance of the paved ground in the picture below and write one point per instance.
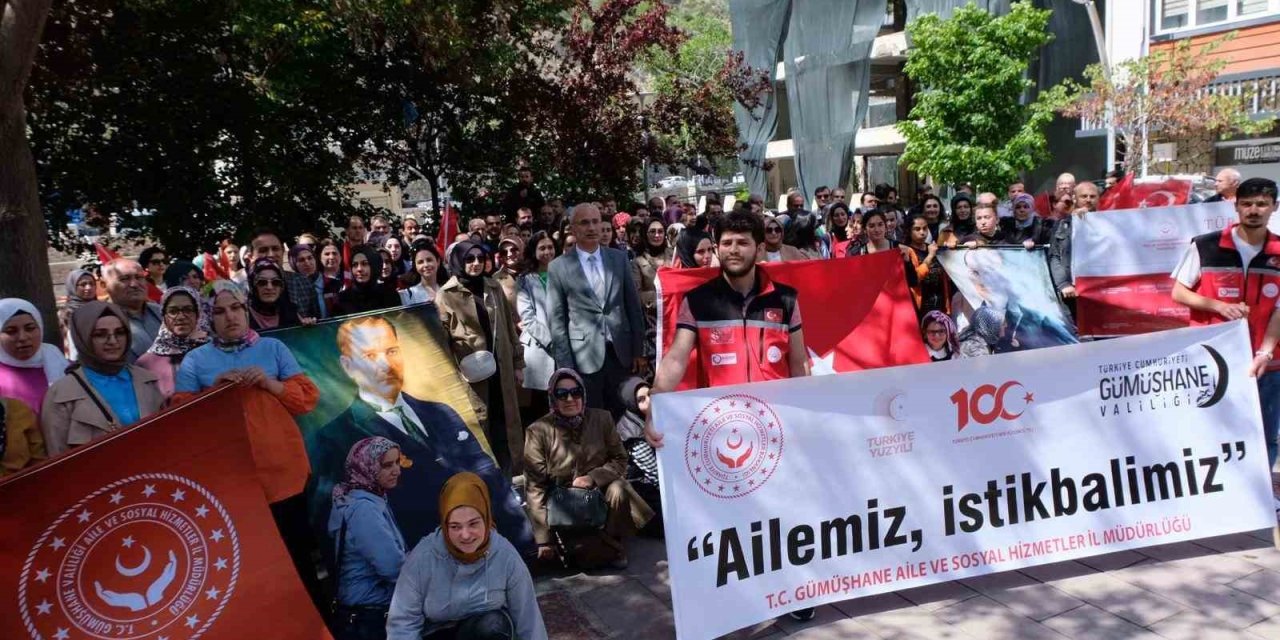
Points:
(1226, 587)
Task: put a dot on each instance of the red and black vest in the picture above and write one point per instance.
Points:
(1223, 277)
(742, 339)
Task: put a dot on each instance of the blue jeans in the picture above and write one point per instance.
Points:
(1269, 394)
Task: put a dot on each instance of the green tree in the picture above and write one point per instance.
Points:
(971, 121)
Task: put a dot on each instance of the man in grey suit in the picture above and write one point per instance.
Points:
(595, 316)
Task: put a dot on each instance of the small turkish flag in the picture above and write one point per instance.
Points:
(1129, 194)
(856, 313)
(160, 530)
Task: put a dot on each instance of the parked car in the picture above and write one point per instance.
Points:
(673, 182)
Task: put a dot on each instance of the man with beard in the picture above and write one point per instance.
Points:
(765, 340)
(430, 434)
(1232, 274)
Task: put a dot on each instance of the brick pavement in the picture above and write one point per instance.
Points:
(1224, 587)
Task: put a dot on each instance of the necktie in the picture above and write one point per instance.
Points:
(411, 427)
(597, 278)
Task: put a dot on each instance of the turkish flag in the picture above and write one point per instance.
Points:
(160, 530)
(105, 255)
(856, 312)
(448, 228)
(213, 268)
(1128, 194)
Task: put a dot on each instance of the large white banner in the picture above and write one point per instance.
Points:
(795, 493)
(1121, 261)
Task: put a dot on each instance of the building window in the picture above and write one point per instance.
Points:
(1180, 15)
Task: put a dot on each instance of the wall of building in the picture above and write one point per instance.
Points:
(1255, 48)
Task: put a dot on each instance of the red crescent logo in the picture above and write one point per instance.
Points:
(1004, 413)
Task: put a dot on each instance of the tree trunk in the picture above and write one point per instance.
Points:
(24, 259)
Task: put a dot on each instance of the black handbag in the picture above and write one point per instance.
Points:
(574, 508)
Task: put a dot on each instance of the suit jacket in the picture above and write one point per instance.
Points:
(579, 320)
(414, 502)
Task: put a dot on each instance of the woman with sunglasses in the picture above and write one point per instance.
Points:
(774, 249)
(651, 254)
(102, 392)
(474, 312)
(574, 446)
(510, 265)
(184, 329)
(269, 303)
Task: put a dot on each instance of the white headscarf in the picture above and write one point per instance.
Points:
(48, 357)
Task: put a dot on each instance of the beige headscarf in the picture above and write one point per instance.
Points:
(466, 489)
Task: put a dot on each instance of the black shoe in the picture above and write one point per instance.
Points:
(803, 615)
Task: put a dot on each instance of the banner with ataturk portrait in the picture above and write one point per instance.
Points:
(391, 374)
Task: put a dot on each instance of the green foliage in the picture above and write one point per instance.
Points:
(970, 122)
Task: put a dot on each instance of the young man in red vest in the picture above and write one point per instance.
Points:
(1235, 274)
(746, 327)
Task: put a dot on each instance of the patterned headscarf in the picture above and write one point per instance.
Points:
(947, 323)
(363, 462)
(250, 337)
(166, 343)
(572, 424)
(73, 298)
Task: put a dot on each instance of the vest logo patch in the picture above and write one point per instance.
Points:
(1228, 292)
(723, 359)
(774, 354)
(1270, 290)
(721, 336)
(773, 315)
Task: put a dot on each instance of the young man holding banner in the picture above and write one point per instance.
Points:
(745, 326)
(1234, 274)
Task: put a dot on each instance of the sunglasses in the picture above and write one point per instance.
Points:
(269, 282)
(565, 394)
(773, 229)
(473, 259)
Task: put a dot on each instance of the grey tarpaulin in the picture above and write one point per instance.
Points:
(758, 26)
(827, 55)
(944, 8)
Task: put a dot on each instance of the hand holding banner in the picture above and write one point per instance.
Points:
(794, 493)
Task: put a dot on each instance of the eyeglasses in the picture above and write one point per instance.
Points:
(476, 259)
(572, 392)
(510, 251)
(269, 282)
(936, 332)
(174, 312)
(823, 196)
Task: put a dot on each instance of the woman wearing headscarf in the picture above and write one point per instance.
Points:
(81, 287)
(642, 470)
(274, 390)
(510, 264)
(366, 293)
(269, 303)
(304, 260)
(183, 274)
(652, 254)
(103, 392)
(1024, 226)
(28, 367)
(474, 312)
(182, 331)
(939, 333)
(838, 230)
(465, 581)
(427, 274)
(535, 334)
(574, 446)
(961, 223)
(368, 547)
(694, 249)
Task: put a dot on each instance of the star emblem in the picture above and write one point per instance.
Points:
(693, 454)
(717, 409)
(61, 634)
(705, 421)
(697, 469)
(1029, 398)
(733, 403)
(722, 487)
(707, 481)
(83, 516)
(697, 436)
(43, 608)
(746, 405)
(42, 575)
(774, 440)
(58, 543)
(736, 487)
(751, 482)
(178, 495)
(220, 564)
(117, 497)
(202, 511)
(217, 535)
(192, 621)
(735, 430)
(149, 490)
(822, 365)
(127, 542)
(212, 593)
(762, 413)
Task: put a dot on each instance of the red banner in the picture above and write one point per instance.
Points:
(1128, 194)
(1127, 305)
(857, 312)
(158, 531)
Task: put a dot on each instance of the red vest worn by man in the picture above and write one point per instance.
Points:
(1223, 277)
(741, 339)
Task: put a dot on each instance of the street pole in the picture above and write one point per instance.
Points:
(1100, 40)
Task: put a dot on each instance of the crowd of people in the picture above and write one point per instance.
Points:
(550, 313)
